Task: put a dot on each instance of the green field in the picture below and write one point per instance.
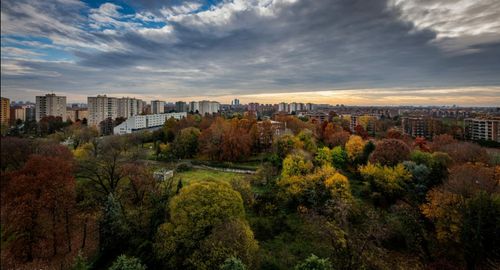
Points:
(200, 174)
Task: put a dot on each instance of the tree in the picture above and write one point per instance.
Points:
(37, 205)
(169, 129)
(339, 157)
(308, 141)
(323, 156)
(14, 152)
(185, 144)
(354, 147)
(232, 264)
(313, 262)
(462, 152)
(360, 131)
(295, 165)
(465, 211)
(103, 165)
(196, 213)
(390, 152)
(385, 183)
(124, 262)
(80, 262)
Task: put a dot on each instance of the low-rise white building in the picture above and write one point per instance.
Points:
(138, 122)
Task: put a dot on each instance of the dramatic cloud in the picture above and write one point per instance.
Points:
(181, 49)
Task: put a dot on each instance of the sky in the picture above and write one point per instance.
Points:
(353, 52)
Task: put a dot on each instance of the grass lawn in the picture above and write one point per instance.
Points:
(200, 174)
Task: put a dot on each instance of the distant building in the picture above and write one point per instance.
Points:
(157, 106)
(5, 111)
(209, 107)
(253, 107)
(487, 129)
(283, 107)
(181, 106)
(235, 102)
(317, 117)
(75, 114)
(140, 122)
(50, 105)
(101, 108)
(129, 107)
(194, 106)
(420, 126)
(310, 107)
(17, 113)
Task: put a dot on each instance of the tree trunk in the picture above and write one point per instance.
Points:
(84, 238)
(68, 234)
(54, 242)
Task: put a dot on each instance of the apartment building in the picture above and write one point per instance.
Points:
(139, 122)
(50, 105)
(157, 107)
(75, 114)
(208, 107)
(487, 129)
(420, 126)
(5, 111)
(101, 108)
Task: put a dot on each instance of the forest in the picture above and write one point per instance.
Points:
(317, 197)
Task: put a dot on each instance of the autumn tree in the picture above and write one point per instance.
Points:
(103, 164)
(185, 144)
(385, 183)
(37, 207)
(354, 147)
(313, 262)
(203, 216)
(465, 211)
(390, 152)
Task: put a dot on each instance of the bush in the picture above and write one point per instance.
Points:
(183, 167)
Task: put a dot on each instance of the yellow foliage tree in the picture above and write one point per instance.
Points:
(354, 147)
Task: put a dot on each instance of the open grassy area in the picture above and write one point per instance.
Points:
(200, 174)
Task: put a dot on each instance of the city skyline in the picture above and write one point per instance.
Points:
(385, 52)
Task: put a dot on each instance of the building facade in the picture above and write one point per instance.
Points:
(5, 111)
(50, 105)
(208, 107)
(487, 129)
(157, 106)
(181, 106)
(420, 127)
(139, 122)
(77, 114)
(101, 108)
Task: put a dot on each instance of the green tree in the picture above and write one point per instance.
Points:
(295, 165)
(197, 214)
(185, 144)
(124, 262)
(313, 262)
(232, 264)
(339, 157)
(80, 263)
(384, 182)
(323, 156)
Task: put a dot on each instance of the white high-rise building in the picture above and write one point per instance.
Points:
(157, 106)
(194, 106)
(129, 107)
(208, 107)
(50, 105)
(101, 108)
(140, 122)
(283, 107)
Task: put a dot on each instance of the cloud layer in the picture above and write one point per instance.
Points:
(180, 49)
